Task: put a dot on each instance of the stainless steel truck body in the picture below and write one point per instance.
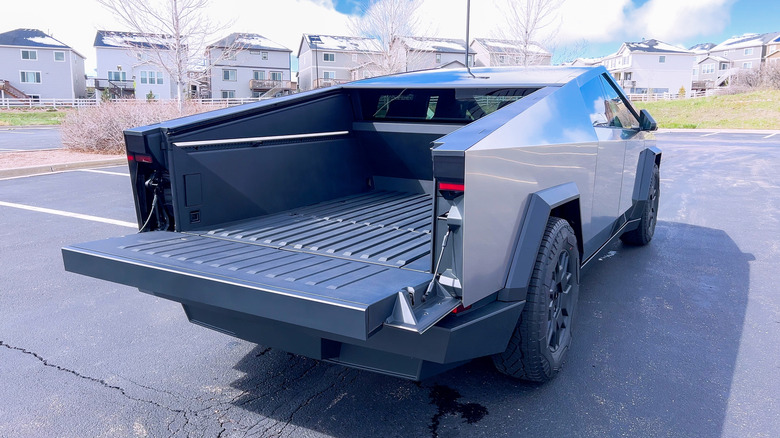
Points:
(402, 224)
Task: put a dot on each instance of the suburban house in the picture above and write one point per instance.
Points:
(713, 71)
(491, 52)
(746, 51)
(773, 51)
(124, 68)
(651, 66)
(325, 60)
(585, 62)
(422, 53)
(37, 66)
(248, 65)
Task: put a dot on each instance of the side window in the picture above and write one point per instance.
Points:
(593, 95)
(619, 114)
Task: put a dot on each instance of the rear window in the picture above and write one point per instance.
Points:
(436, 105)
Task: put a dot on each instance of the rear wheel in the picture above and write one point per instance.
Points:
(643, 234)
(541, 339)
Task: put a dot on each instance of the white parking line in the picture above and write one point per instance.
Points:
(771, 135)
(69, 214)
(104, 172)
(11, 150)
(711, 133)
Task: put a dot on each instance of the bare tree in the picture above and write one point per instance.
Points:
(172, 35)
(529, 22)
(387, 22)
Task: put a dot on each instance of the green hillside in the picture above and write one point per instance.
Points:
(754, 110)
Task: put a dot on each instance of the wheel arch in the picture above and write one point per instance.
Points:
(560, 201)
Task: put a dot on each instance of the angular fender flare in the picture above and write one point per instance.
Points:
(644, 171)
(562, 200)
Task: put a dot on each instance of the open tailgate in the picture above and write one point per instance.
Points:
(335, 295)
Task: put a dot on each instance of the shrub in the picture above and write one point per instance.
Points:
(99, 129)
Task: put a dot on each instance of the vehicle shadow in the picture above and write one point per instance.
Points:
(657, 334)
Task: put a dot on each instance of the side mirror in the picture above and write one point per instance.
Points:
(646, 121)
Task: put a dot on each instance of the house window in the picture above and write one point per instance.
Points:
(725, 52)
(254, 52)
(329, 75)
(724, 66)
(627, 75)
(31, 77)
(117, 76)
(228, 74)
(228, 94)
(707, 69)
(329, 57)
(626, 60)
(151, 77)
(231, 56)
(749, 51)
(258, 75)
(354, 57)
(471, 60)
(256, 94)
(661, 59)
(34, 97)
(276, 76)
(264, 56)
(438, 58)
(501, 59)
(30, 55)
(59, 56)
(695, 71)
(747, 65)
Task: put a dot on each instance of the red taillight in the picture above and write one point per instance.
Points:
(130, 158)
(143, 158)
(451, 186)
(460, 309)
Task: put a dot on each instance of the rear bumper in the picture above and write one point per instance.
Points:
(392, 351)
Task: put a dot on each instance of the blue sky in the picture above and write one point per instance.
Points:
(741, 16)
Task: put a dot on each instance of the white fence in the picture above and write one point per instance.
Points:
(80, 103)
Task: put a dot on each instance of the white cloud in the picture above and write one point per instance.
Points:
(675, 20)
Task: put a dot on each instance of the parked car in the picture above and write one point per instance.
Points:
(403, 224)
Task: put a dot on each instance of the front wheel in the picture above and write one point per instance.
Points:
(543, 334)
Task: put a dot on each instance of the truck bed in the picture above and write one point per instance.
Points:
(381, 227)
(343, 260)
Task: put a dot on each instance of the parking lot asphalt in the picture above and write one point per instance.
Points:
(29, 138)
(678, 338)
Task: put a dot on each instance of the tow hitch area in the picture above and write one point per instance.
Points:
(417, 310)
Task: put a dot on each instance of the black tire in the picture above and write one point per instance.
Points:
(543, 333)
(643, 234)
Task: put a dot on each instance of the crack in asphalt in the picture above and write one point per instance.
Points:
(101, 382)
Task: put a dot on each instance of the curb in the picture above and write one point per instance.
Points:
(53, 168)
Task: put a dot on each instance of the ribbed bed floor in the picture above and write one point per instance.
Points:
(388, 228)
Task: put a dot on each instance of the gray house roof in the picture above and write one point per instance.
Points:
(653, 46)
(126, 40)
(440, 45)
(702, 47)
(507, 46)
(747, 40)
(340, 43)
(32, 38)
(250, 41)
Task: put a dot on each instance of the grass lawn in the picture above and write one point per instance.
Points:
(754, 110)
(25, 117)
